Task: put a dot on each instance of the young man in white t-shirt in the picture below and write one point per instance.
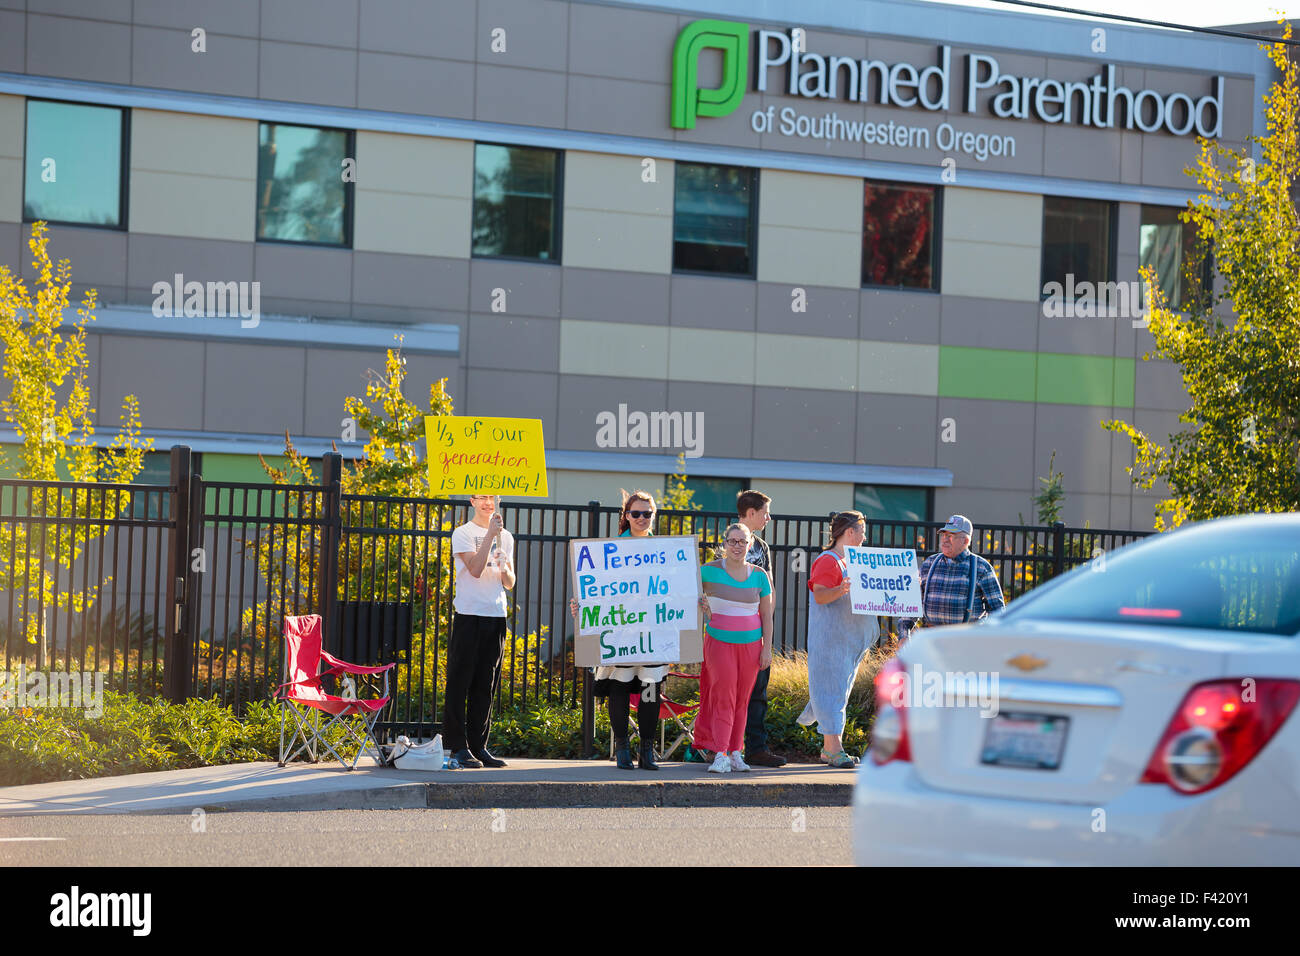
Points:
(485, 570)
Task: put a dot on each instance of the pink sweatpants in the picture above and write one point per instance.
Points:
(726, 682)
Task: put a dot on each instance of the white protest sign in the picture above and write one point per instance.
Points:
(638, 600)
(884, 581)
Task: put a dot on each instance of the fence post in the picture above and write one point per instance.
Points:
(176, 661)
(588, 687)
(327, 569)
(1058, 548)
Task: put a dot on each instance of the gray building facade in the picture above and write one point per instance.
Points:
(846, 281)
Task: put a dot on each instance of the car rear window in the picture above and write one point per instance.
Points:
(1206, 577)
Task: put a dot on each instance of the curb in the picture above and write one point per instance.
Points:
(482, 796)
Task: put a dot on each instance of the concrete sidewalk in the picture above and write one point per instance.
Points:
(525, 783)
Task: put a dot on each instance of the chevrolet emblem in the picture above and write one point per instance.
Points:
(1027, 662)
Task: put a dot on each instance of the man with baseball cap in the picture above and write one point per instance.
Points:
(957, 585)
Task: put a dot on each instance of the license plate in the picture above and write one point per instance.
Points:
(1033, 741)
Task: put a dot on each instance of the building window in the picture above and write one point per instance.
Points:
(516, 202)
(1078, 241)
(1169, 245)
(715, 494)
(898, 247)
(714, 212)
(301, 195)
(73, 172)
(892, 503)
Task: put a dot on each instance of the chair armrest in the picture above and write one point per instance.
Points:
(295, 683)
(347, 668)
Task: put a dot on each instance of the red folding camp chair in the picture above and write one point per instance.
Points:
(304, 698)
(681, 715)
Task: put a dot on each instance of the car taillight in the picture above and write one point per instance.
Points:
(889, 731)
(1216, 731)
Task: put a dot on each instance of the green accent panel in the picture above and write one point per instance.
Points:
(246, 469)
(986, 373)
(1125, 376)
(11, 463)
(1075, 379)
(238, 467)
(10, 460)
(1052, 378)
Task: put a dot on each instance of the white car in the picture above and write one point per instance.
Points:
(1144, 716)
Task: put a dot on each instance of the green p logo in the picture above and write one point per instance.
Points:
(688, 100)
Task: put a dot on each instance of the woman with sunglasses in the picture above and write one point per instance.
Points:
(617, 683)
(837, 639)
(737, 645)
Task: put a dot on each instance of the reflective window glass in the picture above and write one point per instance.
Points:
(301, 195)
(1077, 241)
(73, 167)
(713, 218)
(516, 202)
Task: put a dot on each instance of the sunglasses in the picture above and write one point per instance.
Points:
(640, 514)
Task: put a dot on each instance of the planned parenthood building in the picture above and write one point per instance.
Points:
(844, 240)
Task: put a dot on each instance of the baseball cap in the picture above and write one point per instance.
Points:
(959, 523)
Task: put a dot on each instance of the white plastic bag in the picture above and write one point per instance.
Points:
(407, 756)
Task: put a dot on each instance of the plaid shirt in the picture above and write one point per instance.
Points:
(944, 599)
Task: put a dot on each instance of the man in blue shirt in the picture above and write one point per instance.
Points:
(946, 593)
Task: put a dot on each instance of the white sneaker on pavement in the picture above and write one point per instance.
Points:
(737, 762)
(721, 763)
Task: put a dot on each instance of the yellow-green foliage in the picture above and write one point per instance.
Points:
(372, 565)
(391, 462)
(1240, 452)
(49, 405)
(391, 465)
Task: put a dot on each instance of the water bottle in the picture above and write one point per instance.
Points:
(451, 764)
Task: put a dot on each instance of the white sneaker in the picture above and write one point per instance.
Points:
(737, 762)
(721, 763)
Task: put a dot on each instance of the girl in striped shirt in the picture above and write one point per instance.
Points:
(737, 645)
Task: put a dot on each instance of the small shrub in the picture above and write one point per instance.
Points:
(787, 695)
(135, 735)
(543, 730)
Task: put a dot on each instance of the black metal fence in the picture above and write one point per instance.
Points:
(255, 556)
(84, 582)
(195, 607)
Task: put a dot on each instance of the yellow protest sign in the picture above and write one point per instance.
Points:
(485, 456)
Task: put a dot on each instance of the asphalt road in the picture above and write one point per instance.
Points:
(672, 836)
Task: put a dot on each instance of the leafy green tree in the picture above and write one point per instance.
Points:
(372, 565)
(49, 405)
(392, 462)
(1241, 450)
(392, 466)
(1048, 501)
